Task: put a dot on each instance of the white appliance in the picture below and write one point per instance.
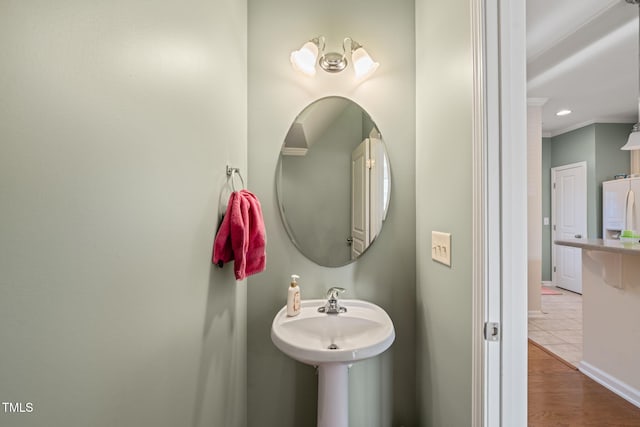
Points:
(620, 207)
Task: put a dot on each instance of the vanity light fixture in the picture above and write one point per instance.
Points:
(563, 113)
(304, 59)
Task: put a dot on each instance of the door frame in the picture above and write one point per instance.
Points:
(554, 170)
(499, 237)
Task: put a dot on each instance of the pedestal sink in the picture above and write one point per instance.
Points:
(332, 342)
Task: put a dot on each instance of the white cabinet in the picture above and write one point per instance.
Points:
(620, 207)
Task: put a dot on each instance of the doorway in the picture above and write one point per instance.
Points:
(557, 326)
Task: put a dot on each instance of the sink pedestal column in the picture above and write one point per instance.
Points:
(333, 395)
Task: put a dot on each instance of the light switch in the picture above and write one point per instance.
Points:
(545, 220)
(441, 247)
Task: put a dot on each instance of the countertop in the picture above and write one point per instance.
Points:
(615, 246)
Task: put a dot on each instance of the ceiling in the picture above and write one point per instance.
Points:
(582, 55)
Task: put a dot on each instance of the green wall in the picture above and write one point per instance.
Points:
(599, 145)
(580, 146)
(443, 199)
(116, 124)
(281, 391)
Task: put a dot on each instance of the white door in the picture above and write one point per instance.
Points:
(569, 213)
(360, 199)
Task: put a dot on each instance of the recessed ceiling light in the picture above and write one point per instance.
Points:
(563, 112)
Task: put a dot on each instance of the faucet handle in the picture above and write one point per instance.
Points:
(333, 292)
(332, 306)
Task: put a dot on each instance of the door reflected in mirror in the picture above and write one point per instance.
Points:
(333, 181)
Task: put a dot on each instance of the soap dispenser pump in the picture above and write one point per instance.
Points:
(293, 297)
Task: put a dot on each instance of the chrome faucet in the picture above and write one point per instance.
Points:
(332, 306)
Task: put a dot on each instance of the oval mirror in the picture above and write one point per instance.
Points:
(333, 181)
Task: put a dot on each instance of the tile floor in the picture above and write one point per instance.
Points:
(559, 327)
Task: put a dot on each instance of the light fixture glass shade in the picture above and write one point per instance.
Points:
(363, 65)
(304, 60)
(633, 143)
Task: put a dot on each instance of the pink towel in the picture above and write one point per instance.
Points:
(241, 236)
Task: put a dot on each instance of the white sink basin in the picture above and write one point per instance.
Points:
(315, 338)
(332, 342)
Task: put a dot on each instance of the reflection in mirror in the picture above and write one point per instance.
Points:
(333, 181)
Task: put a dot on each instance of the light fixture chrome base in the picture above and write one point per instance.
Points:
(312, 53)
(333, 62)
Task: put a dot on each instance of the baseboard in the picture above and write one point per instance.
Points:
(620, 388)
(535, 313)
(548, 283)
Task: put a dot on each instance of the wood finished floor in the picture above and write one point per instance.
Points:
(560, 395)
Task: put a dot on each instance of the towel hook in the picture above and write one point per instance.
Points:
(231, 172)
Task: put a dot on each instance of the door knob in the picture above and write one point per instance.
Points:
(578, 236)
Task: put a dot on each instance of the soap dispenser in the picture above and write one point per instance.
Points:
(293, 297)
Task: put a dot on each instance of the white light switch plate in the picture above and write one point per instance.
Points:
(441, 247)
